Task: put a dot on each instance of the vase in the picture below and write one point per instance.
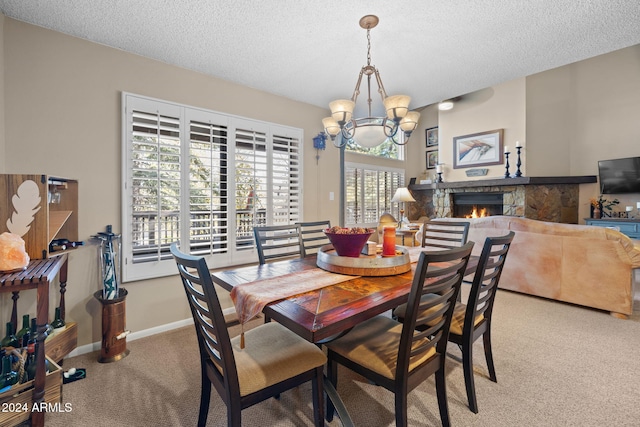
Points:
(597, 214)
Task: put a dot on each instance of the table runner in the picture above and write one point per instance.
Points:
(250, 298)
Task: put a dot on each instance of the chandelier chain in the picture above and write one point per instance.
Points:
(368, 46)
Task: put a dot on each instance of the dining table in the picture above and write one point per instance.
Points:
(338, 303)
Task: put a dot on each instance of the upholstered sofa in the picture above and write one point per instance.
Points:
(579, 264)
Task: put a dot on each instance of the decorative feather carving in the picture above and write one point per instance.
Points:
(26, 203)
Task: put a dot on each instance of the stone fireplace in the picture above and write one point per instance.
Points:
(553, 199)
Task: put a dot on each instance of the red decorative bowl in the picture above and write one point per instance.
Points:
(348, 244)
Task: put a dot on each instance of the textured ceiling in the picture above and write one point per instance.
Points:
(312, 51)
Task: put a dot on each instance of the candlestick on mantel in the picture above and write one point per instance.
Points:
(506, 164)
(518, 162)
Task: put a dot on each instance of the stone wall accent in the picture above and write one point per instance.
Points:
(543, 202)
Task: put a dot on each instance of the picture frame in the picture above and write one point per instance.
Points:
(432, 159)
(478, 149)
(432, 137)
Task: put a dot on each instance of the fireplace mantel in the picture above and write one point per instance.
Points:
(497, 182)
(546, 198)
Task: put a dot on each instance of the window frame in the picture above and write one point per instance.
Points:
(160, 266)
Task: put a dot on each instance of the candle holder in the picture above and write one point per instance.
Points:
(518, 163)
(439, 177)
(506, 164)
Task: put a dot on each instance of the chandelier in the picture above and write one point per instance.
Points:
(370, 131)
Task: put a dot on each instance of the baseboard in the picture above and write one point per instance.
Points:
(96, 346)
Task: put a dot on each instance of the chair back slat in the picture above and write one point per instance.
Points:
(278, 242)
(485, 281)
(441, 283)
(445, 234)
(313, 237)
(211, 330)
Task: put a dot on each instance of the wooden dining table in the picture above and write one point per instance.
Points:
(322, 314)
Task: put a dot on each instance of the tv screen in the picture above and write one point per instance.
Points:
(619, 176)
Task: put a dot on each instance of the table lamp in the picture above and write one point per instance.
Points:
(402, 196)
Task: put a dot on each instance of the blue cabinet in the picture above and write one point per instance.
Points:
(630, 227)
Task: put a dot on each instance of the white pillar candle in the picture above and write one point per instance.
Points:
(506, 148)
(518, 144)
(438, 168)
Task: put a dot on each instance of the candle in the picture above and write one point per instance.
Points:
(389, 241)
(518, 144)
(506, 148)
(438, 168)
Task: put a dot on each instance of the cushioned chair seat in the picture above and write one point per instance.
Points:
(457, 321)
(374, 345)
(272, 354)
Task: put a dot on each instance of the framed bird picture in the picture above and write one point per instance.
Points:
(478, 149)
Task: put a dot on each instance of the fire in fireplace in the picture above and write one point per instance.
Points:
(473, 205)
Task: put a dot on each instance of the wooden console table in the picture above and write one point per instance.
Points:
(628, 226)
(38, 275)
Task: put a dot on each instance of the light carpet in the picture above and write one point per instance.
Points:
(557, 365)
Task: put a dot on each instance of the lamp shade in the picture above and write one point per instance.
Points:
(396, 106)
(410, 121)
(369, 135)
(331, 126)
(342, 110)
(402, 195)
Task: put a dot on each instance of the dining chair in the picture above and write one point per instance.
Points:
(273, 360)
(275, 242)
(473, 320)
(313, 237)
(444, 234)
(399, 356)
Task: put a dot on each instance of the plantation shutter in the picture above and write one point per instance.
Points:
(251, 185)
(208, 188)
(203, 179)
(286, 180)
(368, 193)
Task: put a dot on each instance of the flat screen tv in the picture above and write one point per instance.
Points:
(618, 176)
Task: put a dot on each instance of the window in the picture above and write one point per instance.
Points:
(203, 178)
(387, 150)
(368, 193)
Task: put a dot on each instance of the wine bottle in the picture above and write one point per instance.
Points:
(10, 339)
(9, 376)
(23, 334)
(30, 364)
(58, 324)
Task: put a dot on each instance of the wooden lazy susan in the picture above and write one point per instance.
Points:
(364, 265)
